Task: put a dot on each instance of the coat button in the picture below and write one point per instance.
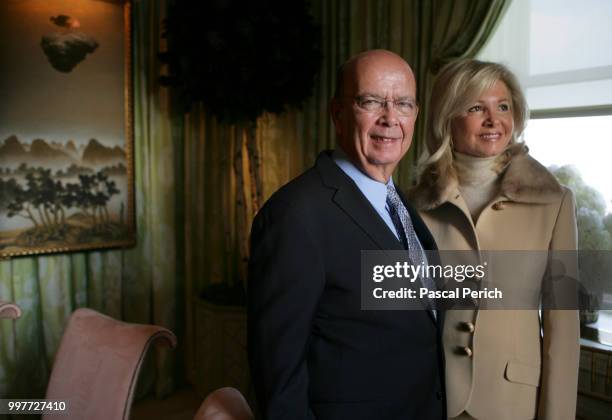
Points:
(467, 326)
(465, 351)
(440, 395)
(500, 205)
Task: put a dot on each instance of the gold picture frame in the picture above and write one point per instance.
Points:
(66, 132)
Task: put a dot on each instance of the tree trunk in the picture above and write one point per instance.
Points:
(91, 215)
(241, 206)
(31, 217)
(101, 214)
(255, 169)
(43, 218)
(227, 162)
(47, 216)
(55, 210)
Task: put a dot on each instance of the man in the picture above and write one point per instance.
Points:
(313, 352)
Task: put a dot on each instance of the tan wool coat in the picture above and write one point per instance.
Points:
(509, 364)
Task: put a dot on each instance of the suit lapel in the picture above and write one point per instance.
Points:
(367, 218)
(356, 206)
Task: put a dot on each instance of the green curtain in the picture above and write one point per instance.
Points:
(144, 284)
(450, 30)
(425, 32)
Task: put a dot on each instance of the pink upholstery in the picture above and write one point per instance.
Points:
(9, 310)
(97, 364)
(224, 404)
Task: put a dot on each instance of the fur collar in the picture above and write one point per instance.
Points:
(524, 180)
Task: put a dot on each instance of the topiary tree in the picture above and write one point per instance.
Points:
(240, 60)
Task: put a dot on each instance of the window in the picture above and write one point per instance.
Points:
(560, 51)
(584, 142)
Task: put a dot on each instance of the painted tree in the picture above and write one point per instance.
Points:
(104, 190)
(8, 190)
(25, 203)
(92, 194)
(43, 201)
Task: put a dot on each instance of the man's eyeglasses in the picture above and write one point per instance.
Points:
(376, 105)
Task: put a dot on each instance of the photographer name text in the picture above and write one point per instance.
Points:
(423, 292)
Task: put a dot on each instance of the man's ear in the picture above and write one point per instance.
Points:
(335, 109)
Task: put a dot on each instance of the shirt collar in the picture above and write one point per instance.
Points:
(375, 191)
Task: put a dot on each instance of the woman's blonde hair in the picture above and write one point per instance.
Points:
(458, 85)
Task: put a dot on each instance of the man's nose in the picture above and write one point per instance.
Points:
(389, 114)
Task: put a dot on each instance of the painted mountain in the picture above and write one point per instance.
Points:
(12, 149)
(96, 154)
(14, 153)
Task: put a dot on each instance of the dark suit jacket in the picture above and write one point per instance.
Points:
(312, 351)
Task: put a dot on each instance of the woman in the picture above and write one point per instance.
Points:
(480, 190)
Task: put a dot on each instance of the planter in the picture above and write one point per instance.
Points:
(220, 356)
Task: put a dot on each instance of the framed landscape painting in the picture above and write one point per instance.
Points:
(66, 161)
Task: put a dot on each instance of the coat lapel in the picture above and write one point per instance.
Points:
(352, 201)
(356, 206)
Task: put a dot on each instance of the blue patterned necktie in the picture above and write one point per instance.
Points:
(405, 230)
